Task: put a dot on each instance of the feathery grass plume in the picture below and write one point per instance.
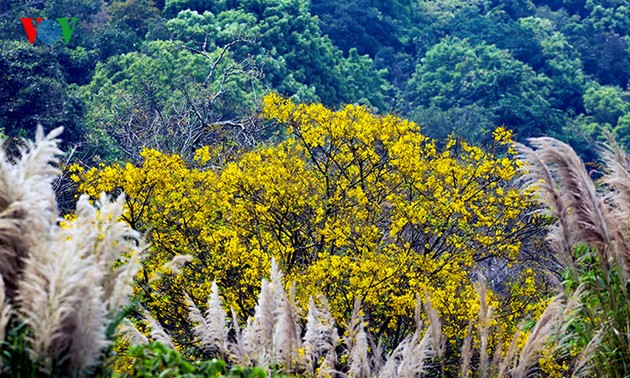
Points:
(583, 366)
(280, 354)
(589, 219)
(177, 262)
(565, 334)
(287, 341)
(357, 344)
(27, 202)
(216, 321)
(544, 328)
(59, 293)
(212, 330)
(244, 342)
(482, 327)
(117, 242)
(321, 336)
(275, 278)
(56, 277)
(129, 330)
(435, 328)
(409, 358)
(330, 338)
(237, 348)
(5, 312)
(498, 356)
(158, 333)
(510, 357)
(617, 178)
(62, 291)
(390, 368)
(261, 327)
(312, 337)
(399, 356)
(196, 317)
(466, 352)
(599, 223)
(537, 176)
(173, 266)
(571, 310)
(415, 353)
(378, 354)
(124, 275)
(254, 352)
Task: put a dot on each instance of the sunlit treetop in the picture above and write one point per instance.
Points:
(351, 205)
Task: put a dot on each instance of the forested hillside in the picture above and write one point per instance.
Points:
(314, 188)
(189, 73)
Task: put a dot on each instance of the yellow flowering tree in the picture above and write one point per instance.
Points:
(350, 204)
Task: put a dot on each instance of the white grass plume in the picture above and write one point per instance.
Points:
(316, 338)
(378, 354)
(329, 344)
(68, 290)
(5, 311)
(27, 202)
(357, 344)
(409, 358)
(312, 336)
(59, 280)
(617, 179)
(585, 216)
(498, 355)
(197, 318)
(212, 330)
(321, 336)
(262, 325)
(254, 353)
(117, 241)
(238, 349)
(544, 327)
(583, 367)
(177, 262)
(509, 358)
(287, 331)
(482, 327)
(58, 294)
(435, 328)
(538, 176)
(158, 333)
(129, 330)
(466, 353)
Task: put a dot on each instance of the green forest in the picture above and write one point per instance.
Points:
(198, 68)
(309, 188)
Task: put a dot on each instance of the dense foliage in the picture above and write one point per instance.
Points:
(556, 68)
(363, 152)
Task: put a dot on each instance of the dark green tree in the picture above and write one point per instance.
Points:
(33, 90)
(287, 42)
(455, 73)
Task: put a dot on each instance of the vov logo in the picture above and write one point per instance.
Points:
(48, 31)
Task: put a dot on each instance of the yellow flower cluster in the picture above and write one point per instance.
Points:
(550, 366)
(350, 204)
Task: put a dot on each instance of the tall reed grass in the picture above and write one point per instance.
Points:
(62, 283)
(273, 339)
(591, 236)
